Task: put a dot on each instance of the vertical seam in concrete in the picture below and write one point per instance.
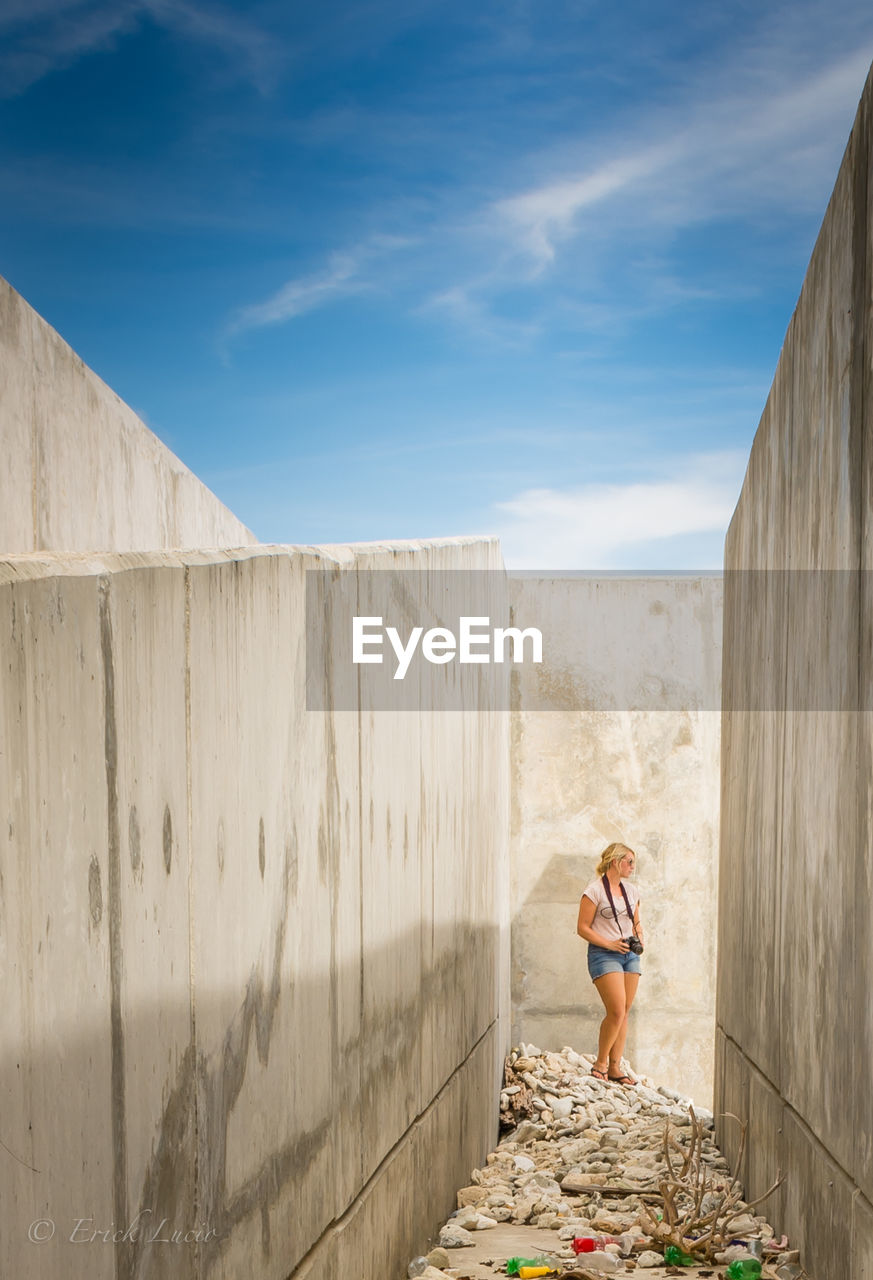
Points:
(116, 951)
(360, 890)
(192, 1000)
(34, 461)
(860, 304)
(783, 737)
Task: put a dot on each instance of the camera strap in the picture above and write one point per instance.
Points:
(630, 914)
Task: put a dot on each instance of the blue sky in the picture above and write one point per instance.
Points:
(383, 270)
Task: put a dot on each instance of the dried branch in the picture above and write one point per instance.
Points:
(684, 1190)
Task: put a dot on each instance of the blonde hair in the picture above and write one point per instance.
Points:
(612, 853)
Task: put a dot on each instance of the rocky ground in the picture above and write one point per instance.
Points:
(635, 1167)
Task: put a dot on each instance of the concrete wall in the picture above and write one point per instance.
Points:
(80, 470)
(252, 954)
(795, 1019)
(616, 737)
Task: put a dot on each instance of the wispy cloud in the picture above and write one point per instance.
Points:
(734, 152)
(598, 245)
(609, 526)
(545, 215)
(343, 275)
(466, 309)
(255, 52)
(48, 35)
(296, 297)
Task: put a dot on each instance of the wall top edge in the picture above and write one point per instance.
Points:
(686, 575)
(47, 564)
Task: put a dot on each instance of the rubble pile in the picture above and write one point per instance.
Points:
(631, 1174)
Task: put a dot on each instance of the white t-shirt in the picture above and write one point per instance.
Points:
(604, 920)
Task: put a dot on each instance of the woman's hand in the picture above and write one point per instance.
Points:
(585, 929)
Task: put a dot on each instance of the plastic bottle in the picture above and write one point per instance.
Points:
(674, 1257)
(416, 1267)
(588, 1244)
(528, 1267)
(744, 1269)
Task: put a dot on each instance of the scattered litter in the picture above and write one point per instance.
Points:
(626, 1177)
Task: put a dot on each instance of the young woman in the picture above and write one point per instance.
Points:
(609, 914)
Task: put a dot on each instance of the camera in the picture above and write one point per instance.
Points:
(635, 945)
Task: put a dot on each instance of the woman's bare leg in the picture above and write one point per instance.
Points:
(611, 989)
(616, 1051)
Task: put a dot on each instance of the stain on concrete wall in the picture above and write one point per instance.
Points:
(280, 1033)
(795, 951)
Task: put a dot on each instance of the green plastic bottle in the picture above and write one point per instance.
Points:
(674, 1257)
(514, 1266)
(744, 1269)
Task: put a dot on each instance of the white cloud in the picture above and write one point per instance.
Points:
(299, 296)
(343, 275)
(616, 526)
(545, 215)
(752, 145)
(66, 30)
(44, 36)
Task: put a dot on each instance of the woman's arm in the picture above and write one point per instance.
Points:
(638, 928)
(585, 930)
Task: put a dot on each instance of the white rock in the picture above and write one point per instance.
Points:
(577, 1181)
(544, 1183)
(499, 1199)
(637, 1172)
(650, 1259)
(562, 1108)
(527, 1131)
(735, 1251)
(524, 1164)
(452, 1237)
(743, 1225)
(484, 1223)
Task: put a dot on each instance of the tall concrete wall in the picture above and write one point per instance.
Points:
(616, 737)
(80, 471)
(795, 1019)
(252, 954)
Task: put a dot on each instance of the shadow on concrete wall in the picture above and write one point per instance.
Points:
(198, 1179)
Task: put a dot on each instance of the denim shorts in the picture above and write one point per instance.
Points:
(601, 961)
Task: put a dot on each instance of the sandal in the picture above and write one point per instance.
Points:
(599, 1074)
(623, 1080)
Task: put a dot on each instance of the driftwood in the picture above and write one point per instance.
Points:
(683, 1190)
(654, 1197)
(520, 1104)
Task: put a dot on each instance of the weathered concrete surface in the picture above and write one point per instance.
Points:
(588, 769)
(795, 879)
(253, 953)
(81, 471)
(862, 1238)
